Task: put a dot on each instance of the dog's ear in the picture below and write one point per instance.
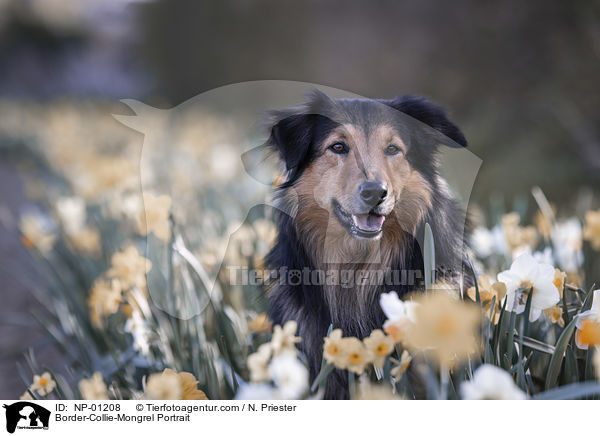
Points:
(292, 137)
(431, 114)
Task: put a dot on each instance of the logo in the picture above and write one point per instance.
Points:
(26, 415)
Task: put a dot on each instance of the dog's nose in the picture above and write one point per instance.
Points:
(372, 192)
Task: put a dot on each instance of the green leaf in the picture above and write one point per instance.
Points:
(559, 353)
(429, 257)
(570, 392)
(536, 345)
(321, 378)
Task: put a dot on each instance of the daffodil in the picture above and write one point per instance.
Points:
(588, 325)
(488, 242)
(445, 328)
(400, 367)
(488, 290)
(43, 384)
(130, 268)
(163, 386)
(332, 348)
(71, 213)
(527, 275)
(365, 390)
(518, 238)
(37, 231)
(554, 314)
(258, 363)
(491, 383)
(289, 376)
(380, 345)
(104, 300)
(93, 388)
(284, 338)
(188, 385)
(259, 323)
(26, 396)
(86, 240)
(400, 315)
(155, 216)
(591, 231)
(355, 356)
(568, 244)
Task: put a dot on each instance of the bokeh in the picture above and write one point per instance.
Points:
(520, 78)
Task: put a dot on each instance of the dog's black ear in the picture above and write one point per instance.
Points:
(292, 137)
(431, 114)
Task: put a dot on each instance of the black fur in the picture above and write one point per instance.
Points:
(294, 135)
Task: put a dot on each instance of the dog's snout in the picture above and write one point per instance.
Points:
(372, 192)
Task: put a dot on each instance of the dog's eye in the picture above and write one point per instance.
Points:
(339, 148)
(392, 149)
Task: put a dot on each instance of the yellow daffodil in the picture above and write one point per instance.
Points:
(259, 323)
(518, 238)
(487, 291)
(104, 300)
(130, 268)
(188, 385)
(35, 232)
(86, 240)
(284, 338)
(445, 328)
(93, 388)
(560, 279)
(555, 313)
(380, 345)
(43, 384)
(154, 218)
(163, 386)
(591, 230)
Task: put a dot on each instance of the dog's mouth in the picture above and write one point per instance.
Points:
(366, 225)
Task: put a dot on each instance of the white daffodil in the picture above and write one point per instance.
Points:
(487, 242)
(567, 239)
(289, 375)
(525, 274)
(43, 384)
(491, 383)
(72, 214)
(256, 391)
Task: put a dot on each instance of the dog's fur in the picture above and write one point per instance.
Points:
(319, 180)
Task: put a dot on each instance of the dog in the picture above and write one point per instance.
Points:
(362, 178)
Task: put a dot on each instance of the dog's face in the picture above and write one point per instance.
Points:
(362, 168)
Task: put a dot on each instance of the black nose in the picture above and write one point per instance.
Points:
(372, 192)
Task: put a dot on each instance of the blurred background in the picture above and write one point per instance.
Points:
(520, 78)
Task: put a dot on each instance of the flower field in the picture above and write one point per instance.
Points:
(136, 290)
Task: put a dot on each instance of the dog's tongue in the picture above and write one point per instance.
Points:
(369, 222)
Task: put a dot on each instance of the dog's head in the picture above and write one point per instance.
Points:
(369, 164)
